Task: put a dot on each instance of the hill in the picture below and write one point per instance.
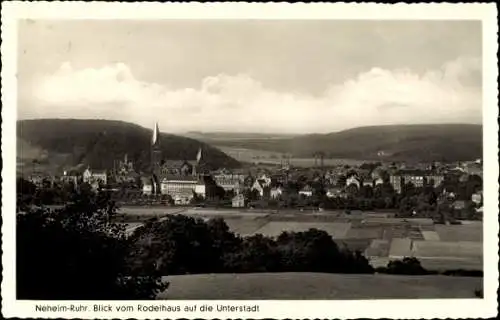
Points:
(440, 142)
(99, 142)
(317, 286)
(210, 137)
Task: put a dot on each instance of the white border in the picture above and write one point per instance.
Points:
(438, 308)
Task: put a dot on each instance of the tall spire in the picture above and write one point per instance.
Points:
(156, 135)
(198, 156)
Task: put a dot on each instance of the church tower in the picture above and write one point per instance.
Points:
(196, 166)
(156, 155)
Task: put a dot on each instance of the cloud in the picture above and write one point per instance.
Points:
(241, 103)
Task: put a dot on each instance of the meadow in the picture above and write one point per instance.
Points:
(315, 286)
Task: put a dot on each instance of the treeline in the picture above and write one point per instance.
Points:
(187, 245)
(412, 266)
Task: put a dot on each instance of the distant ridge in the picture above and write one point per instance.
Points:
(99, 142)
(427, 142)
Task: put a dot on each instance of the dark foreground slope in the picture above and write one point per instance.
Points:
(439, 142)
(314, 286)
(99, 142)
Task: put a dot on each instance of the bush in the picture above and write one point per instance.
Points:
(407, 266)
(463, 273)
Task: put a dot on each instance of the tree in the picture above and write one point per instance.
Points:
(409, 266)
(257, 253)
(77, 253)
(179, 245)
(25, 192)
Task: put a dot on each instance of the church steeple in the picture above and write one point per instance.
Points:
(156, 135)
(198, 156)
(156, 154)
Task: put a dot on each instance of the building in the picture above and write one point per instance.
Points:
(458, 205)
(95, 178)
(434, 179)
(178, 187)
(353, 180)
(230, 182)
(69, 178)
(477, 197)
(368, 182)
(239, 201)
(307, 191)
(334, 192)
(148, 186)
(416, 177)
(124, 171)
(179, 179)
(474, 168)
(263, 186)
(396, 182)
(276, 192)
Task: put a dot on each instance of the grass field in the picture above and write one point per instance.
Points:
(400, 247)
(374, 232)
(442, 249)
(313, 286)
(473, 232)
(430, 235)
(273, 229)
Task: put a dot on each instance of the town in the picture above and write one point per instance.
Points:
(444, 192)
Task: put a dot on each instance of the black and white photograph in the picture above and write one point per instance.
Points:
(249, 159)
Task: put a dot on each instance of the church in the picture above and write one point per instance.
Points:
(179, 179)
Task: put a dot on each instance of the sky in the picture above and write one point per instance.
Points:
(281, 76)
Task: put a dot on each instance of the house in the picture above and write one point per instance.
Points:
(182, 200)
(477, 197)
(276, 192)
(449, 194)
(201, 189)
(458, 205)
(69, 179)
(95, 178)
(474, 168)
(434, 179)
(239, 201)
(307, 191)
(37, 179)
(353, 180)
(368, 183)
(230, 182)
(148, 186)
(463, 177)
(262, 186)
(378, 181)
(333, 192)
(396, 182)
(377, 173)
